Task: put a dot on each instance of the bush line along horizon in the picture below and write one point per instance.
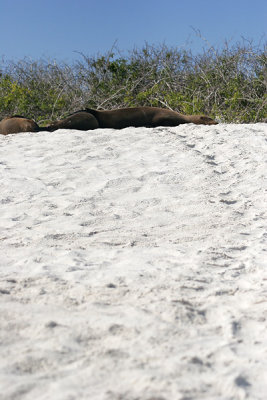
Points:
(228, 84)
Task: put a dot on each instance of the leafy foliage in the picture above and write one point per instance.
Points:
(227, 84)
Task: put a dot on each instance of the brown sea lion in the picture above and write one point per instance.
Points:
(145, 116)
(17, 124)
(81, 120)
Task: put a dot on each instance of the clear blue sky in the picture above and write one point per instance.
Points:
(57, 28)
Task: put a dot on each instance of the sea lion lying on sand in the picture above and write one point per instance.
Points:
(145, 116)
(124, 117)
(81, 120)
(89, 119)
(18, 124)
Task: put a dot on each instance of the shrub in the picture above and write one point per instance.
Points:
(228, 84)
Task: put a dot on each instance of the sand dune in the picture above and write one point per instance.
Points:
(133, 264)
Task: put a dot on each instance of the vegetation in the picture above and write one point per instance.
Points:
(228, 84)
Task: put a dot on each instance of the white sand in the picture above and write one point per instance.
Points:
(133, 264)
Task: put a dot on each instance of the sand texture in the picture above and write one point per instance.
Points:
(133, 264)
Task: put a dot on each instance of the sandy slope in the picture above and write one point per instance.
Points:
(132, 264)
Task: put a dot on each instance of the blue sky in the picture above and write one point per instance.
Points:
(56, 29)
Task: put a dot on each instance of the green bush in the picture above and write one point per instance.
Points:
(227, 84)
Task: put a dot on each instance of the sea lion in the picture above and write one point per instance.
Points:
(145, 116)
(17, 124)
(81, 120)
